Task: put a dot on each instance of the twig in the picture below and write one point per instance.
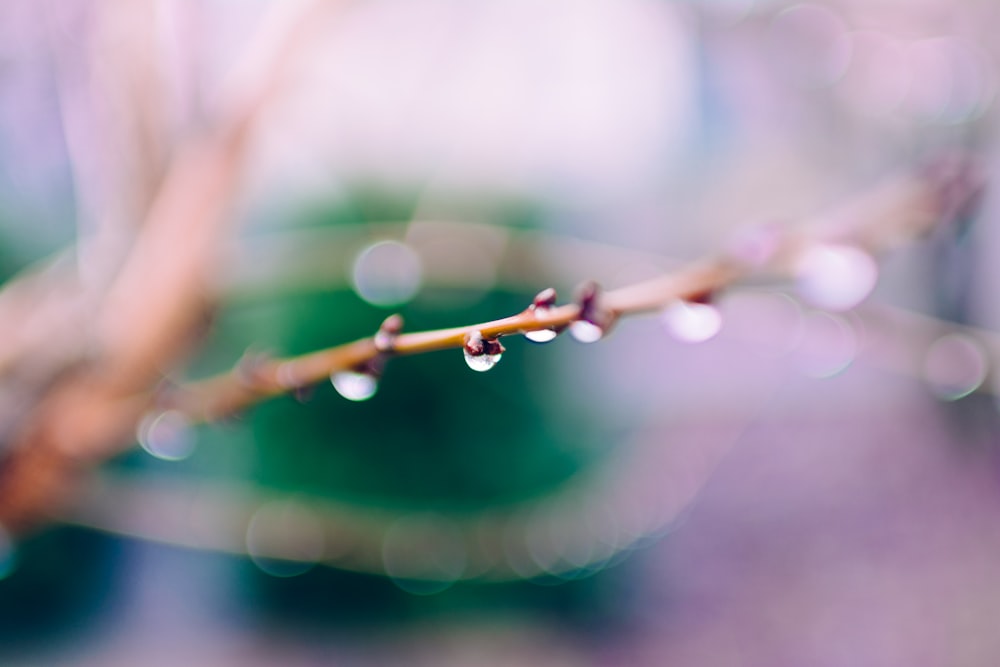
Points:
(900, 211)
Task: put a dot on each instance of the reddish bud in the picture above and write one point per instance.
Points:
(545, 299)
(385, 337)
(475, 345)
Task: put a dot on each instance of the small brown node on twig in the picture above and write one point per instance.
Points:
(481, 354)
(542, 302)
(545, 299)
(388, 332)
(477, 346)
(593, 320)
(249, 369)
(704, 297)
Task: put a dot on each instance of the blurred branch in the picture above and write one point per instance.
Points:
(154, 305)
(578, 527)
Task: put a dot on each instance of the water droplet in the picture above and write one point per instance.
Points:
(836, 277)
(691, 322)
(955, 366)
(542, 302)
(586, 332)
(481, 354)
(166, 435)
(354, 386)
(481, 362)
(541, 336)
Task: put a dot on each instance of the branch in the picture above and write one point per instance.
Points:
(154, 305)
(902, 210)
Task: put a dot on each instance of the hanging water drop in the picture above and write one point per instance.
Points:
(481, 354)
(481, 362)
(354, 385)
(586, 332)
(592, 320)
(692, 322)
(542, 302)
(541, 336)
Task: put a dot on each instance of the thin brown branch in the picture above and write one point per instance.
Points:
(900, 211)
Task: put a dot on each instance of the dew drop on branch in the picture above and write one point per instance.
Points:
(691, 322)
(542, 302)
(354, 385)
(541, 336)
(167, 435)
(481, 354)
(481, 362)
(585, 332)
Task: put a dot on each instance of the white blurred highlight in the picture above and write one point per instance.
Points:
(354, 386)
(691, 322)
(835, 277)
(586, 97)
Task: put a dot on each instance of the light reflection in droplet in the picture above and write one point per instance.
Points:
(835, 277)
(167, 435)
(424, 554)
(955, 366)
(827, 345)
(481, 362)
(691, 322)
(387, 273)
(284, 539)
(586, 332)
(354, 386)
